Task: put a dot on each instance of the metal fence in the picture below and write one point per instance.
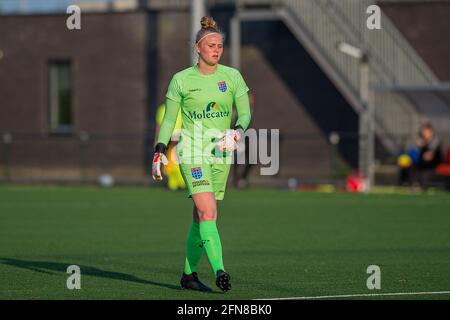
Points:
(86, 158)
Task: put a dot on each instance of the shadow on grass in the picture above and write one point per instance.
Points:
(47, 268)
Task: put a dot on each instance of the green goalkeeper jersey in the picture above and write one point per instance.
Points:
(206, 103)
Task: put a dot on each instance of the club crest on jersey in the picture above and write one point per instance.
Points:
(222, 86)
(196, 173)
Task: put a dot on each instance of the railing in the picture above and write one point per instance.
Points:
(388, 48)
(392, 59)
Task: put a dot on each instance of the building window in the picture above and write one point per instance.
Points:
(60, 96)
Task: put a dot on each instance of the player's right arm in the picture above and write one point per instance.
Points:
(169, 121)
(173, 104)
(174, 98)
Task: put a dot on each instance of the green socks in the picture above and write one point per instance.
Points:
(211, 242)
(194, 249)
(203, 235)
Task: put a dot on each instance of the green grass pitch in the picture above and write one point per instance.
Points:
(129, 243)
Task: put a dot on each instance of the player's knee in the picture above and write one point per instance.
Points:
(207, 213)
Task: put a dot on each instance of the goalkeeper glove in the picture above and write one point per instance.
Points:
(228, 141)
(158, 158)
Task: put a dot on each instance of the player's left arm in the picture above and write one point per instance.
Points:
(228, 140)
(242, 102)
(243, 111)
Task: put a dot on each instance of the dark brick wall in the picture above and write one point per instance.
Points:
(426, 26)
(109, 87)
(113, 99)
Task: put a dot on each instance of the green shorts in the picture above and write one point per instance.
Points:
(206, 178)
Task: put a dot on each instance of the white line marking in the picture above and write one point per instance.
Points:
(360, 295)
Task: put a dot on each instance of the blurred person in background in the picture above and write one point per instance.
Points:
(205, 94)
(172, 169)
(241, 171)
(419, 164)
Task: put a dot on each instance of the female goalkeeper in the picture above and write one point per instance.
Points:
(205, 93)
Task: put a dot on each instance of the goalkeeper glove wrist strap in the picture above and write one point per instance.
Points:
(160, 147)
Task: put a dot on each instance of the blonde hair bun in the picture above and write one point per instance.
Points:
(208, 23)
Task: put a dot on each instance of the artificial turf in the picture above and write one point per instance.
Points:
(130, 243)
